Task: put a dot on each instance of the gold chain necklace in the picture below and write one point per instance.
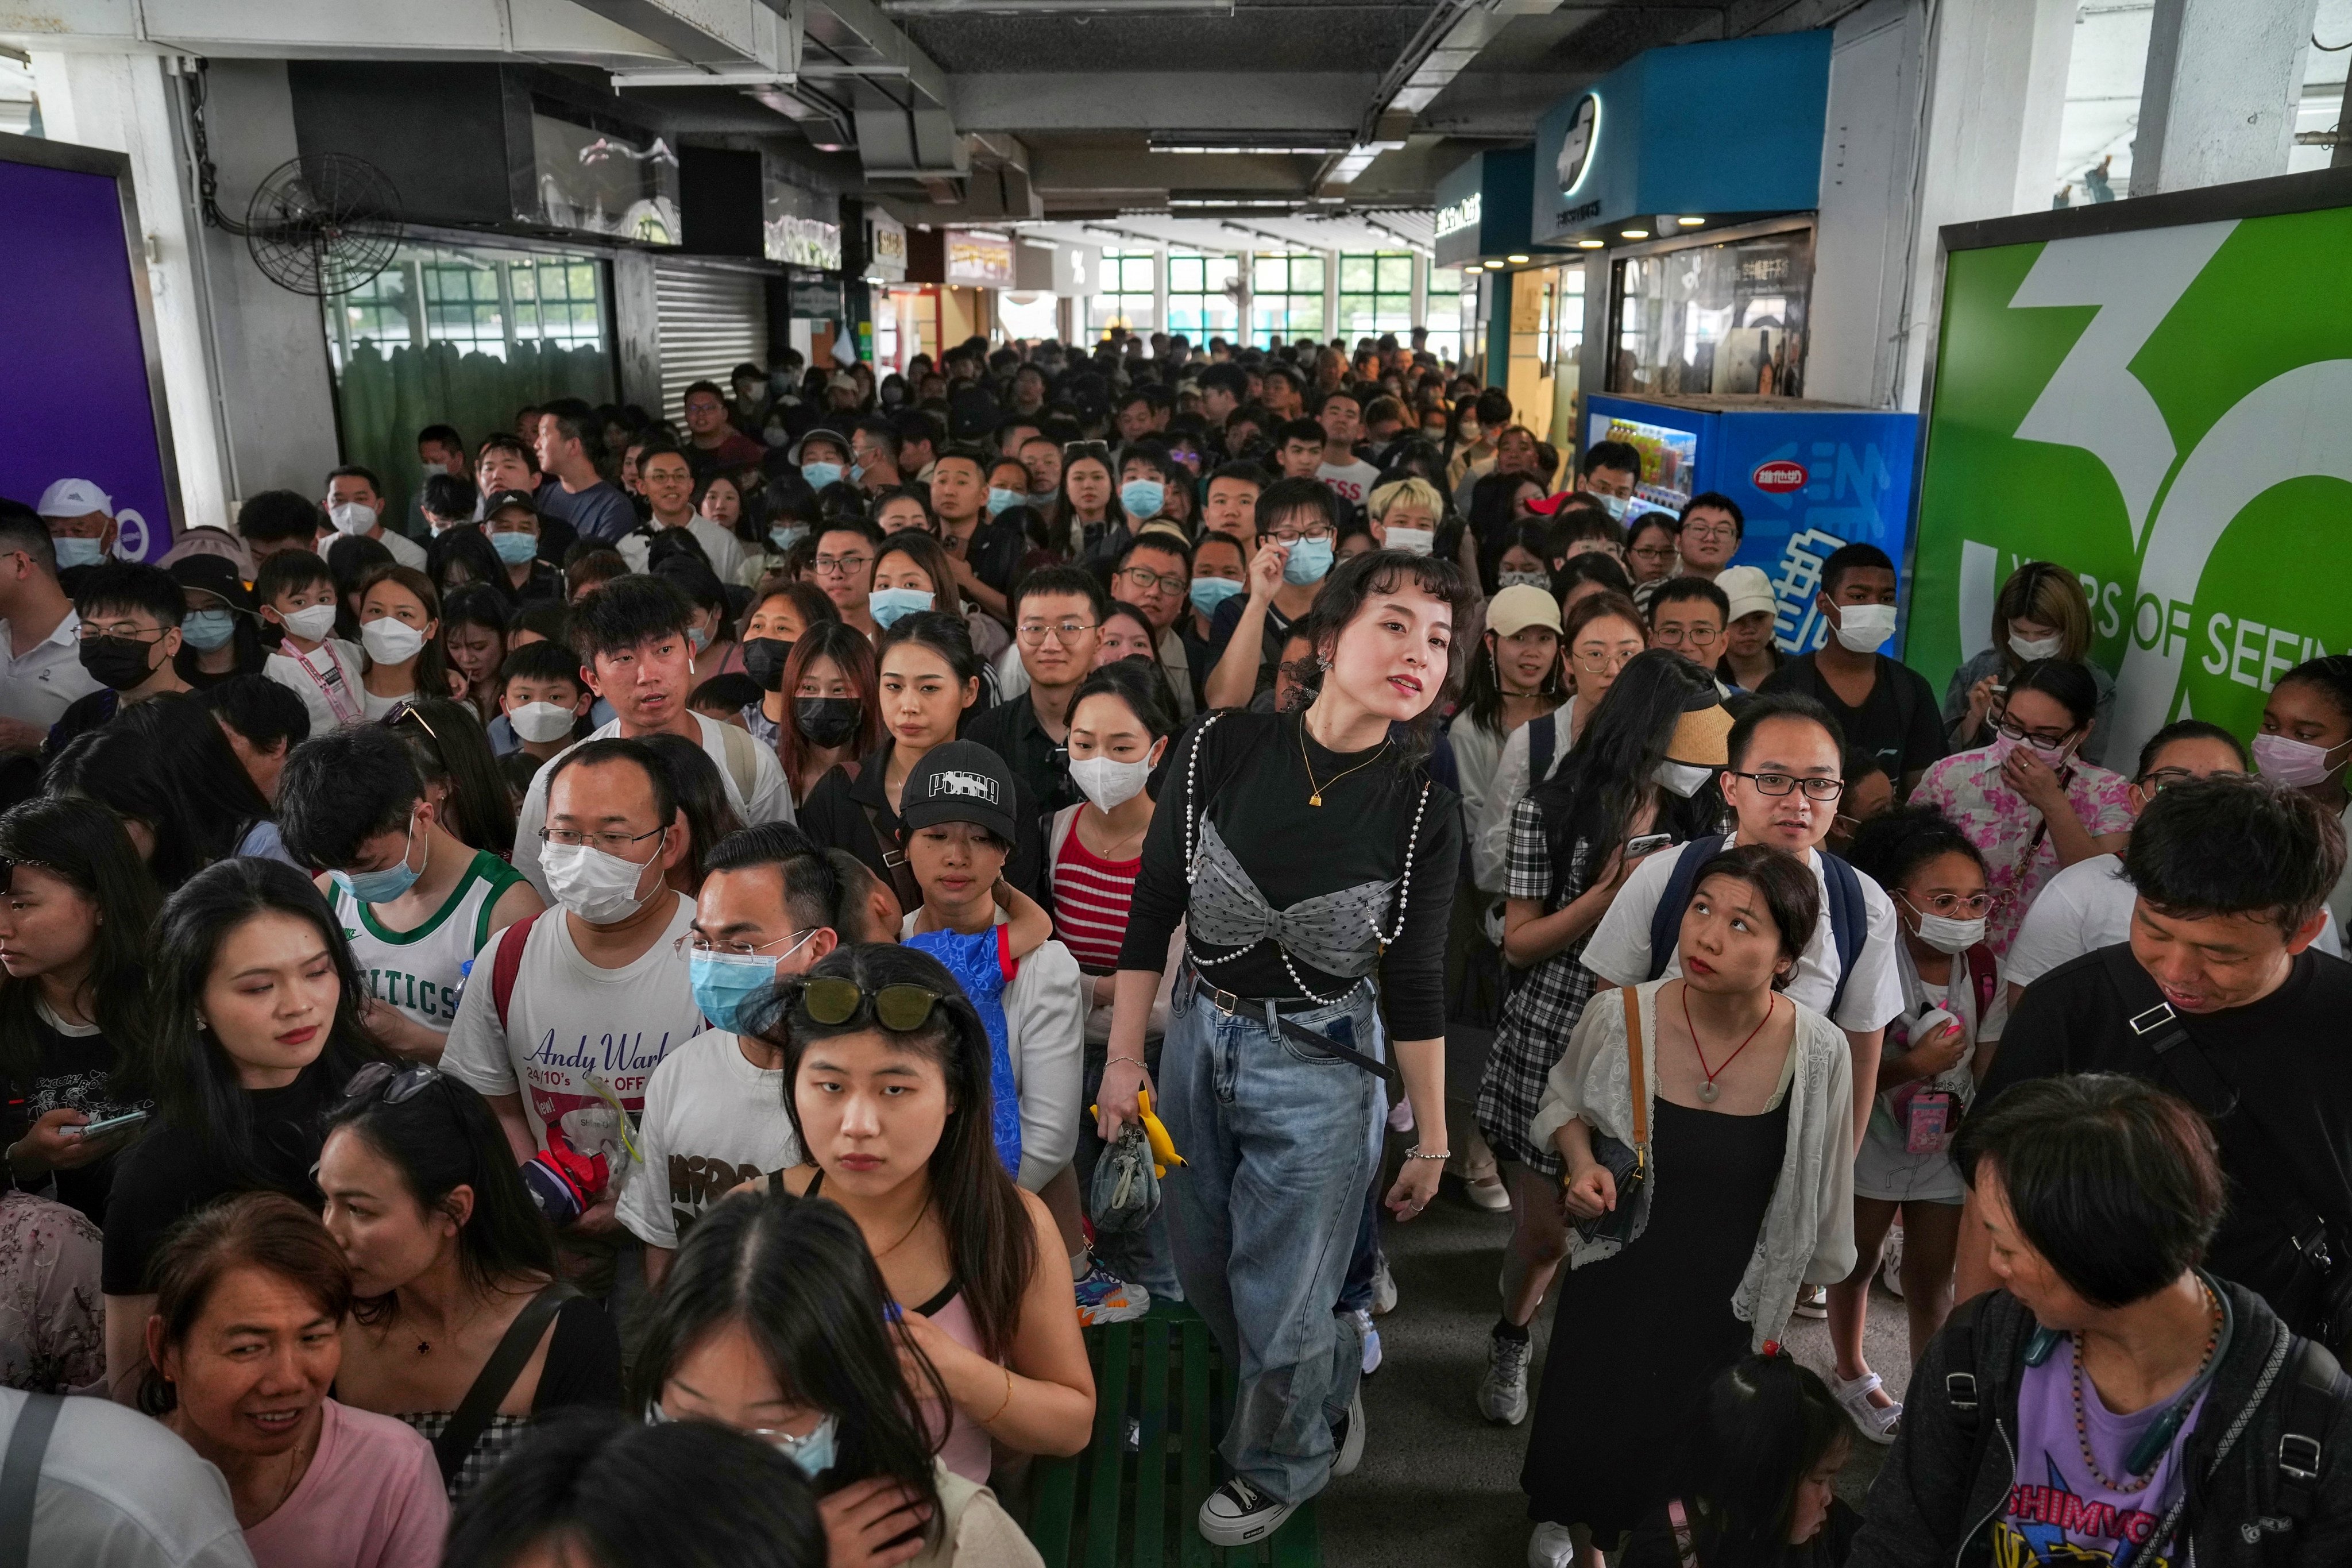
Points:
(1314, 790)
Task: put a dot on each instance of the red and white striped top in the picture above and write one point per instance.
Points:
(1090, 899)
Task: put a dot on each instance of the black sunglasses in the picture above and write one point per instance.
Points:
(833, 1000)
(395, 1085)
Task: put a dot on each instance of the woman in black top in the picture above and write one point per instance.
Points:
(255, 1030)
(446, 1251)
(73, 938)
(1306, 854)
(172, 779)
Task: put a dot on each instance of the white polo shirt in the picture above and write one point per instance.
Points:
(48, 678)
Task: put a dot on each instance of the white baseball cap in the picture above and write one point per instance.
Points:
(1747, 589)
(74, 498)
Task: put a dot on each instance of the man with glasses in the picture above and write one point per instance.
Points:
(715, 1109)
(844, 569)
(128, 635)
(713, 442)
(1687, 616)
(1299, 529)
(1883, 708)
(1712, 528)
(41, 673)
(1057, 616)
(1154, 574)
(1782, 783)
(2088, 905)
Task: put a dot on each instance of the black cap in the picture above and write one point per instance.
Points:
(962, 781)
(498, 500)
(212, 575)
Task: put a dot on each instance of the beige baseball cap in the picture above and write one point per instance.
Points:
(1747, 589)
(1519, 607)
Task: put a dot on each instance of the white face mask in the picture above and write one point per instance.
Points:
(541, 722)
(600, 887)
(2031, 648)
(1863, 628)
(1524, 579)
(1411, 540)
(1109, 783)
(1685, 779)
(1946, 935)
(352, 517)
(311, 624)
(389, 641)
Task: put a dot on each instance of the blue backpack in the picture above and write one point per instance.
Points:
(1849, 915)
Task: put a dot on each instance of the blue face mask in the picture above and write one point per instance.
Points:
(886, 605)
(514, 549)
(725, 982)
(383, 887)
(820, 475)
(785, 538)
(206, 630)
(814, 1453)
(72, 552)
(1307, 563)
(856, 473)
(1142, 499)
(1208, 593)
(1005, 501)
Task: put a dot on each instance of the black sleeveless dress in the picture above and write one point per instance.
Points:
(1637, 1336)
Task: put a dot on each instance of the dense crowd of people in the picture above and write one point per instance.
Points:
(637, 1011)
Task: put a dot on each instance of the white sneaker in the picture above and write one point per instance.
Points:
(1502, 1392)
(1384, 1291)
(1876, 1422)
(1371, 1342)
(1550, 1547)
(1237, 1513)
(1812, 1302)
(1348, 1434)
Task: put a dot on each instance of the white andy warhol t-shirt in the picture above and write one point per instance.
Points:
(579, 1043)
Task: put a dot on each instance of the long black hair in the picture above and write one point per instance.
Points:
(194, 1081)
(1482, 686)
(1588, 803)
(440, 1139)
(1355, 582)
(1763, 1424)
(163, 762)
(796, 1275)
(700, 791)
(445, 740)
(80, 843)
(992, 1241)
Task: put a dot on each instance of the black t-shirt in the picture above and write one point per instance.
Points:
(1222, 626)
(996, 550)
(91, 711)
(1899, 722)
(2284, 1055)
(167, 1174)
(73, 1072)
(1253, 776)
(1011, 729)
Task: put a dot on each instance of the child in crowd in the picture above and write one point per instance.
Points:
(542, 702)
(297, 596)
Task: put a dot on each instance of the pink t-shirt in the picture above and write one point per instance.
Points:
(371, 1498)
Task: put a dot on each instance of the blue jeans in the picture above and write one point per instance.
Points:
(1265, 1215)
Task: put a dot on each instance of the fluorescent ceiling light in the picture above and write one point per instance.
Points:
(1690, 222)
(1589, 244)
(1632, 234)
(1052, 8)
(1226, 203)
(1517, 260)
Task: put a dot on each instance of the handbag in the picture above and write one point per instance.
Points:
(1628, 1167)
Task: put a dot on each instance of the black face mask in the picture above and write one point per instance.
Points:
(119, 663)
(764, 661)
(827, 721)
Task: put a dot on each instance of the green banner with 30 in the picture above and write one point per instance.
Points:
(2167, 413)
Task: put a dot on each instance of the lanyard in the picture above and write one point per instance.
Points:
(330, 686)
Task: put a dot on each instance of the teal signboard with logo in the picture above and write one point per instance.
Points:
(1481, 207)
(2156, 395)
(1722, 130)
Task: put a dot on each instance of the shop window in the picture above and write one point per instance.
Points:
(1714, 319)
(463, 336)
(1198, 305)
(1127, 300)
(1375, 295)
(1445, 313)
(1285, 298)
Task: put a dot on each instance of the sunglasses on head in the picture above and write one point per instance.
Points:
(833, 1000)
(396, 1085)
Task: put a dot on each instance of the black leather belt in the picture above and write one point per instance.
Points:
(1255, 1009)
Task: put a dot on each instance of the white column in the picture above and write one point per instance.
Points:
(2219, 101)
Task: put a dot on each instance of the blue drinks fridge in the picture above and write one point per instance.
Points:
(1808, 477)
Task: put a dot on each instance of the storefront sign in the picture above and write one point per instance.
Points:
(602, 182)
(1481, 207)
(979, 258)
(1576, 143)
(817, 299)
(1462, 214)
(2139, 404)
(885, 246)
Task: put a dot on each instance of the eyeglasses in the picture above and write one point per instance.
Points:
(1698, 529)
(1696, 636)
(1319, 530)
(1033, 634)
(1144, 579)
(2004, 726)
(1781, 784)
(1591, 662)
(833, 1000)
(1659, 553)
(394, 1085)
(840, 565)
(609, 843)
(130, 631)
(1953, 907)
(2163, 779)
(695, 941)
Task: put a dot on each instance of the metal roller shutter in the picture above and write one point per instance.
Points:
(712, 318)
